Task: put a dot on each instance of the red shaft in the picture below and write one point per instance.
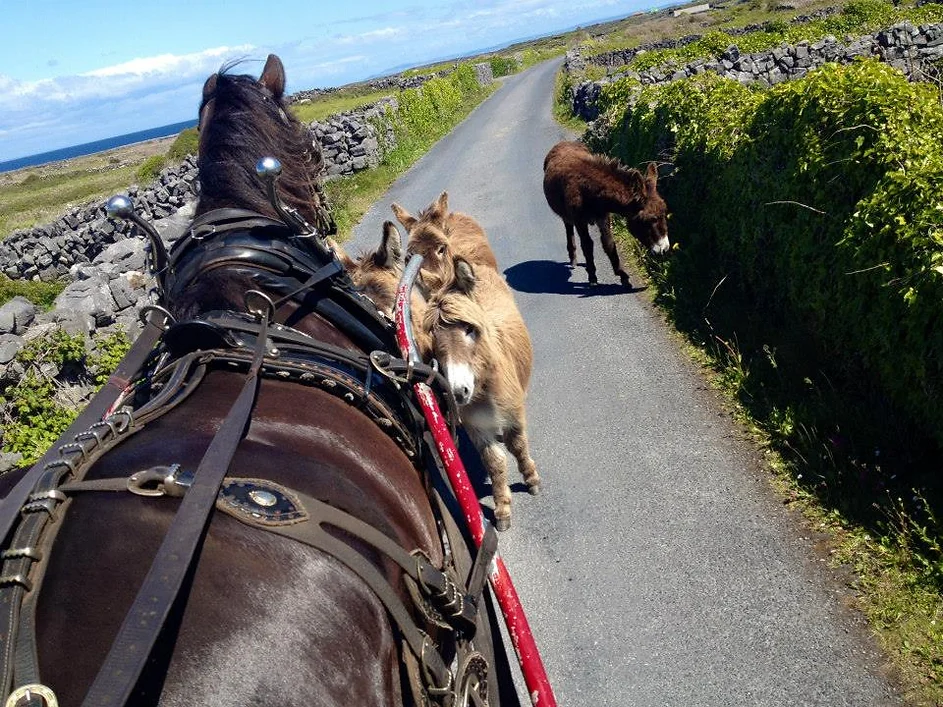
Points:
(535, 676)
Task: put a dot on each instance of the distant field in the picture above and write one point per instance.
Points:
(41, 194)
(337, 102)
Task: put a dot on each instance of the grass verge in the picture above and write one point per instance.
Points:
(41, 199)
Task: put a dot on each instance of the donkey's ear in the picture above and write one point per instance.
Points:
(439, 208)
(403, 216)
(273, 76)
(341, 254)
(651, 176)
(390, 252)
(464, 276)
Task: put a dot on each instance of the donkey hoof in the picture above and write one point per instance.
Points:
(501, 524)
(533, 489)
(593, 282)
(625, 281)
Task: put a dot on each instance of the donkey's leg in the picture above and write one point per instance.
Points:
(609, 245)
(570, 243)
(586, 243)
(496, 463)
(515, 437)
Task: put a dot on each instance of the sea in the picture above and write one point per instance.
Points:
(90, 148)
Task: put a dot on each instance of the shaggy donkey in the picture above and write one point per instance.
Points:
(377, 273)
(584, 188)
(439, 235)
(479, 338)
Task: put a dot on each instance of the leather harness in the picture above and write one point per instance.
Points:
(167, 363)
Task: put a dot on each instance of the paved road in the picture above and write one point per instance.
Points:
(657, 568)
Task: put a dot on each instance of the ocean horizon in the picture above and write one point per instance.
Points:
(90, 148)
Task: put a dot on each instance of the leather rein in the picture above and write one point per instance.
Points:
(167, 363)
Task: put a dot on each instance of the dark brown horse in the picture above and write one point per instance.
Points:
(262, 619)
(584, 188)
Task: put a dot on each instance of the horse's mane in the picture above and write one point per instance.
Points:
(247, 122)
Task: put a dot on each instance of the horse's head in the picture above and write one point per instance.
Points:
(242, 119)
(649, 224)
(428, 236)
(243, 237)
(462, 334)
(377, 273)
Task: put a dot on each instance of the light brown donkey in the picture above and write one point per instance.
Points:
(439, 236)
(377, 273)
(584, 188)
(482, 344)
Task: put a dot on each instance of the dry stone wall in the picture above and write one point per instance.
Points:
(912, 49)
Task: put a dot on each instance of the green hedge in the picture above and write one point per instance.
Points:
(821, 200)
(421, 109)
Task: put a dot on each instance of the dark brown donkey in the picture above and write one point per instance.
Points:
(584, 188)
(264, 617)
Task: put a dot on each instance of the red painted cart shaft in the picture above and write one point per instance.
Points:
(535, 676)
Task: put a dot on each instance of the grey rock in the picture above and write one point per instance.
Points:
(10, 346)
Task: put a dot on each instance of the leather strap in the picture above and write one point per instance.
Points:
(37, 514)
(136, 638)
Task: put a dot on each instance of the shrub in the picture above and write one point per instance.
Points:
(150, 168)
(187, 143)
(503, 66)
(32, 416)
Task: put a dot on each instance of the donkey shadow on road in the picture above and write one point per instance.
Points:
(553, 277)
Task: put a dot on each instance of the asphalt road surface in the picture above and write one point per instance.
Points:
(656, 566)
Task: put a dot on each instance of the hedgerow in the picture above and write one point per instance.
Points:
(821, 201)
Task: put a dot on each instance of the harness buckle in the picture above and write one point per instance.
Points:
(30, 692)
(160, 481)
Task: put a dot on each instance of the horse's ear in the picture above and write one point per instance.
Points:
(651, 176)
(464, 276)
(390, 251)
(439, 208)
(273, 76)
(209, 87)
(403, 216)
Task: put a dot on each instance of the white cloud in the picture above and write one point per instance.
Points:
(173, 64)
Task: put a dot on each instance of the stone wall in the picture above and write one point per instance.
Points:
(910, 48)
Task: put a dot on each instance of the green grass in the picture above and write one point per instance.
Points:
(337, 102)
(44, 199)
(42, 294)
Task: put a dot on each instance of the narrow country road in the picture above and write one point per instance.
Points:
(656, 566)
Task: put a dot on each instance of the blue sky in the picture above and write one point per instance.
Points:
(74, 71)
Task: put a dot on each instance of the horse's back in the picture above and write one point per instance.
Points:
(326, 635)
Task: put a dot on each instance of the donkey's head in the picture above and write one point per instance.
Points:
(378, 272)
(428, 236)
(650, 223)
(462, 335)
